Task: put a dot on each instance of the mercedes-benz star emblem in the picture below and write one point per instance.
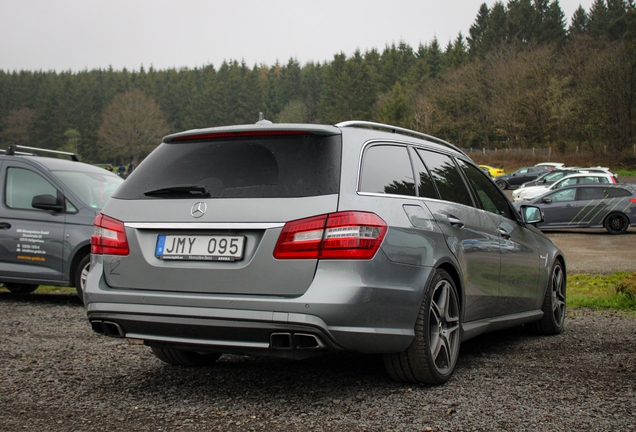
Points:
(198, 209)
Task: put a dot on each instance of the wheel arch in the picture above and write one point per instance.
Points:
(79, 254)
(615, 212)
(454, 273)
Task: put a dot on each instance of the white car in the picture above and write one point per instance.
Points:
(555, 165)
(528, 193)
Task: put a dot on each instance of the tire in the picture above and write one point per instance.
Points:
(502, 184)
(17, 288)
(432, 356)
(616, 223)
(553, 307)
(185, 358)
(80, 276)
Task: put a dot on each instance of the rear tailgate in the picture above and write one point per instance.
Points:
(203, 213)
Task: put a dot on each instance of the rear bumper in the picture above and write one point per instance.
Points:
(340, 311)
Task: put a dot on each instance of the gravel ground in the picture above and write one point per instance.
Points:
(55, 374)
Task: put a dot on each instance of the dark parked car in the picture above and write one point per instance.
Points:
(46, 217)
(609, 206)
(522, 175)
(291, 240)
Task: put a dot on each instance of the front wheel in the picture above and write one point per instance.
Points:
(432, 356)
(616, 223)
(179, 357)
(81, 273)
(17, 288)
(553, 307)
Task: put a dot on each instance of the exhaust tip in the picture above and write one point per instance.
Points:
(295, 341)
(307, 341)
(112, 329)
(107, 328)
(281, 341)
(97, 327)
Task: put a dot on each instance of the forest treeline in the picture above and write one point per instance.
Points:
(523, 76)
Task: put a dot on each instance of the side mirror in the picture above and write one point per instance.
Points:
(46, 202)
(531, 214)
(547, 200)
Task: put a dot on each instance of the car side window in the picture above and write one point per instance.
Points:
(592, 180)
(616, 193)
(590, 193)
(387, 169)
(563, 195)
(22, 185)
(425, 187)
(446, 176)
(488, 193)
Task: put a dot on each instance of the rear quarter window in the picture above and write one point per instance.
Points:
(386, 169)
(255, 167)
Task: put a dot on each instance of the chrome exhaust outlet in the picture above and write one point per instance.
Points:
(97, 327)
(281, 341)
(112, 329)
(307, 342)
(295, 341)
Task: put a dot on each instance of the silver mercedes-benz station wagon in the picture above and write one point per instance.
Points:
(292, 240)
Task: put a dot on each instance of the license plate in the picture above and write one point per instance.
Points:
(199, 248)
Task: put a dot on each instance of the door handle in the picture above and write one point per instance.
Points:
(502, 232)
(455, 221)
(5, 225)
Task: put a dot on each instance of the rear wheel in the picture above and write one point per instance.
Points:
(553, 304)
(180, 357)
(432, 356)
(81, 273)
(502, 184)
(616, 223)
(18, 288)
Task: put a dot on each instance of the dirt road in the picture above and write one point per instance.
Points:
(594, 250)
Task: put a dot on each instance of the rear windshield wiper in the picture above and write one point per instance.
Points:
(186, 190)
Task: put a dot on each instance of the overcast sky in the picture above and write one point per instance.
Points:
(75, 35)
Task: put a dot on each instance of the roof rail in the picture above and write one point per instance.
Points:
(12, 150)
(395, 129)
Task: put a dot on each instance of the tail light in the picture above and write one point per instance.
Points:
(344, 235)
(109, 237)
(633, 200)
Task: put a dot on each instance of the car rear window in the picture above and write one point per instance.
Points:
(255, 167)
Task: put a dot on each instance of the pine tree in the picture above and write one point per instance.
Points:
(598, 23)
(552, 29)
(579, 24)
(477, 31)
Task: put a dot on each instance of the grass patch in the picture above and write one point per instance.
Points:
(625, 173)
(602, 291)
(56, 290)
(596, 291)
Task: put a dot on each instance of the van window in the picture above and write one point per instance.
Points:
(22, 185)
